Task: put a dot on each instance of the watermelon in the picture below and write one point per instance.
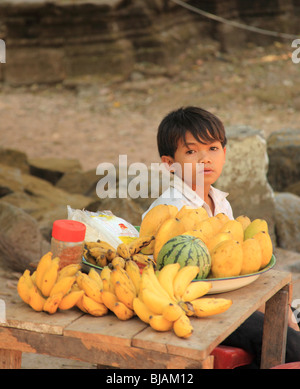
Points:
(187, 250)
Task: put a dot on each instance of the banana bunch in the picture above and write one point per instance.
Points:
(102, 254)
(168, 298)
(120, 287)
(49, 288)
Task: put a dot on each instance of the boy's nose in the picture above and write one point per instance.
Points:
(203, 157)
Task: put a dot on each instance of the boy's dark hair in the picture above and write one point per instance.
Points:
(203, 125)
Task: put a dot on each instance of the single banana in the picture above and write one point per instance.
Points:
(154, 301)
(118, 261)
(101, 244)
(208, 306)
(79, 303)
(124, 294)
(93, 307)
(105, 273)
(109, 299)
(141, 310)
(183, 278)
(149, 270)
(24, 285)
(123, 250)
(63, 285)
(36, 300)
(89, 286)
(110, 254)
(166, 277)
(195, 290)
(122, 312)
(94, 275)
(70, 299)
(134, 273)
(182, 327)
(50, 277)
(172, 312)
(52, 303)
(42, 266)
(143, 259)
(68, 271)
(137, 244)
(122, 276)
(159, 323)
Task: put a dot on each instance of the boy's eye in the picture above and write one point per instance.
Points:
(190, 152)
(213, 148)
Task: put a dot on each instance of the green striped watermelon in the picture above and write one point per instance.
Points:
(187, 250)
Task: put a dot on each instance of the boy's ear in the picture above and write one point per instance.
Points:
(168, 161)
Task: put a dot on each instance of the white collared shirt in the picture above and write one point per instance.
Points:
(180, 194)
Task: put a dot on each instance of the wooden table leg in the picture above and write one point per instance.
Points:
(275, 329)
(10, 359)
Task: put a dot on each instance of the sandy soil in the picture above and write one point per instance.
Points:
(96, 121)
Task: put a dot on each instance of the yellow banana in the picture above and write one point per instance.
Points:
(68, 271)
(122, 312)
(182, 327)
(52, 303)
(36, 300)
(137, 244)
(149, 270)
(155, 302)
(79, 303)
(143, 259)
(70, 299)
(166, 277)
(124, 294)
(33, 277)
(141, 310)
(134, 273)
(118, 261)
(89, 286)
(50, 277)
(195, 290)
(63, 285)
(120, 274)
(94, 275)
(24, 285)
(42, 266)
(159, 323)
(172, 312)
(111, 254)
(93, 307)
(105, 273)
(101, 244)
(183, 278)
(109, 299)
(206, 306)
(123, 250)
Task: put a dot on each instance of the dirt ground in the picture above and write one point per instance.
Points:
(96, 120)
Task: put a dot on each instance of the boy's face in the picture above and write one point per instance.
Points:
(211, 157)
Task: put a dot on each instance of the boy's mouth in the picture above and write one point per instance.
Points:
(207, 171)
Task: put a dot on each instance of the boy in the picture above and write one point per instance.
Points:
(192, 145)
(195, 137)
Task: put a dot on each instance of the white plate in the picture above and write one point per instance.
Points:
(222, 285)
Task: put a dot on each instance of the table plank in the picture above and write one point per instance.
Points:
(211, 331)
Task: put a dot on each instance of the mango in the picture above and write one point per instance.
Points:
(244, 220)
(252, 256)
(218, 238)
(266, 246)
(198, 234)
(254, 227)
(222, 217)
(226, 259)
(235, 228)
(216, 224)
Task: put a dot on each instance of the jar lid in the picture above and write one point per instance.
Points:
(68, 230)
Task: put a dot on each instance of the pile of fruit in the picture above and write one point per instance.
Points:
(219, 246)
(153, 276)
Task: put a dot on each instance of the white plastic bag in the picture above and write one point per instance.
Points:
(103, 225)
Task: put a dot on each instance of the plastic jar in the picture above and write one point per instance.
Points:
(67, 241)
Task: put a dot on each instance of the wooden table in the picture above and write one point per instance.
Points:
(133, 344)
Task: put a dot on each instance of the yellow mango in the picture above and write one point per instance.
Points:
(169, 228)
(218, 238)
(266, 246)
(252, 256)
(235, 228)
(222, 217)
(226, 259)
(244, 220)
(216, 224)
(254, 227)
(198, 234)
